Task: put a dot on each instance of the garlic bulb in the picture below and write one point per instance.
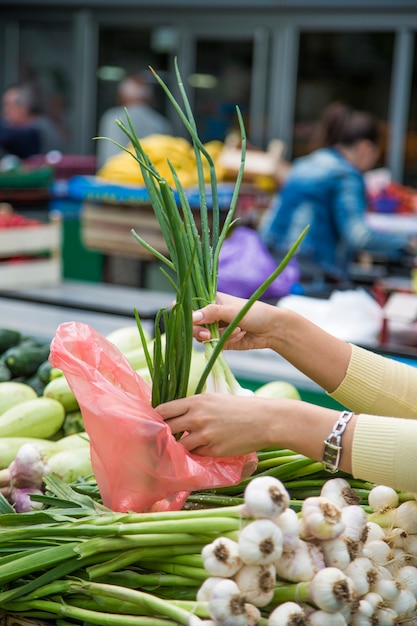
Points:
(404, 604)
(301, 564)
(221, 557)
(383, 583)
(260, 542)
(324, 618)
(336, 553)
(205, 589)
(360, 571)
(338, 491)
(321, 519)
(382, 498)
(289, 524)
(356, 521)
(227, 604)
(378, 551)
(405, 516)
(406, 578)
(257, 583)
(253, 614)
(374, 531)
(386, 616)
(331, 590)
(288, 614)
(265, 496)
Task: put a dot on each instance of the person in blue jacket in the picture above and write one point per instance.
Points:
(326, 190)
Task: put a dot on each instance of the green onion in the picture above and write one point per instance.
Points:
(193, 257)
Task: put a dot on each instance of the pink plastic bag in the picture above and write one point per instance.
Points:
(138, 464)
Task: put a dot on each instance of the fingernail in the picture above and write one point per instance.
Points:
(197, 316)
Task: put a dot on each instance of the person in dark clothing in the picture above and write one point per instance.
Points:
(20, 142)
(24, 130)
(19, 135)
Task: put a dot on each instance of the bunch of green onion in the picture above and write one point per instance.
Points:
(191, 266)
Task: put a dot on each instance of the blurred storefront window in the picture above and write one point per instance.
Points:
(50, 73)
(353, 67)
(222, 81)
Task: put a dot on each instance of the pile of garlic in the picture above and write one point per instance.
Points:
(331, 564)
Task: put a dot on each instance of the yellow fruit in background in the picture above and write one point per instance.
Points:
(163, 151)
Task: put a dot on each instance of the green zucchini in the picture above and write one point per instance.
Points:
(44, 371)
(73, 423)
(25, 358)
(70, 442)
(71, 464)
(59, 389)
(5, 373)
(41, 418)
(36, 383)
(126, 338)
(12, 393)
(8, 338)
(9, 447)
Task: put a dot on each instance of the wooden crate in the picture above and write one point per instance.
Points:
(107, 228)
(31, 255)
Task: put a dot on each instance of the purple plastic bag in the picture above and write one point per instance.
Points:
(245, 262)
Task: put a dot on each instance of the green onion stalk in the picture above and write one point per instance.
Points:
(191, 265)
(103, 567)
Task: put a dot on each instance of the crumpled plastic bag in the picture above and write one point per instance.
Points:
(137, 462)
(245, 263)
(352, 315)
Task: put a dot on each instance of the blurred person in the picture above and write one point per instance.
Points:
(19, 135)
(326, 190)
(135, 95)
(24, 130)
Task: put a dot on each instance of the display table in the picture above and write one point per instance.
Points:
(97, 297)
(42, 320)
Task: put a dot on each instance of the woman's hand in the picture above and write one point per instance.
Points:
(221, 424)
(319, 355)
(255, 330)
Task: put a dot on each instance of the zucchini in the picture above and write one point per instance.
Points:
(41, 418)
(126, 338)
(73, 423)
(136, 358)
(25, 358)
(70, 442)
(9, 447)
(59, 389)
(8, 338)
(35, 382)
(71, 464)
(5, 373)
(44, 371)
(12, 393)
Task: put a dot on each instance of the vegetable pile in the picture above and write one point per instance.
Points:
(260, 562)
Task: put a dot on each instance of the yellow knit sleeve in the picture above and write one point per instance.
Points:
(384, 393)
(384, 451)
(378, 385)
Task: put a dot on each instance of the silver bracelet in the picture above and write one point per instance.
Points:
(332, 445)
